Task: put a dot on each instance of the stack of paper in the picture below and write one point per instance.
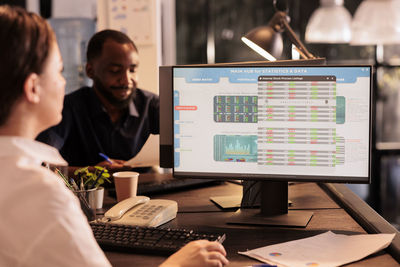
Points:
(324, 250)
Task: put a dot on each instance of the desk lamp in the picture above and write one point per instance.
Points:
(267, 40)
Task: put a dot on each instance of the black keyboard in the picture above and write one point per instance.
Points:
(172, 184)
(138, 239)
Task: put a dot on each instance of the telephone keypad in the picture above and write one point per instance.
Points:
(146, 211)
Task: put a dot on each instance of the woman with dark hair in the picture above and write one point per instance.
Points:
(42, 223)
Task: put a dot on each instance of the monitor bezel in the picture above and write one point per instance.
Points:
(281, 177)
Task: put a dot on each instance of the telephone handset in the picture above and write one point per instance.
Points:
(142, 211)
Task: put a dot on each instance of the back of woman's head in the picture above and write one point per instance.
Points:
(25, 40)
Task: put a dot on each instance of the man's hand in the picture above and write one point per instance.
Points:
(114, 162)
(115, 165)
(201, 253)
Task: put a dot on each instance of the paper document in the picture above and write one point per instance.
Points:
(149, 155)
(324, 250)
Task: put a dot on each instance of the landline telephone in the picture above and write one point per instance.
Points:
(142, 211)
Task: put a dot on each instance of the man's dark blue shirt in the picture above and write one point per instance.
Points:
(86, 129)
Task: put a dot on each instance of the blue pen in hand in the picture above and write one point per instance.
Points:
(105, 157)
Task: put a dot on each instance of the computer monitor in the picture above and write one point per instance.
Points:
(273, 124)
(166, 96)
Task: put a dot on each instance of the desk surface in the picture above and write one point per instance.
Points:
(197, 212)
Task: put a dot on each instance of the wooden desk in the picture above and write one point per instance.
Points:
(197, 212)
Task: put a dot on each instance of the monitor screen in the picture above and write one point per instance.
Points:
(283, 123)
(166, 95)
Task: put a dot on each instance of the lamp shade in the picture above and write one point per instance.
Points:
(265, 41)
(376, 22)
(330, 23)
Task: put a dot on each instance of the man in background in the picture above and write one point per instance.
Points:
(113, 117)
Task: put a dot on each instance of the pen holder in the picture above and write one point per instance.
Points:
(94, 197)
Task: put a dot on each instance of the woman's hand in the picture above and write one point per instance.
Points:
(200, 253)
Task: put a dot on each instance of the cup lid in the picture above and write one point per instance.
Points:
(125, 174)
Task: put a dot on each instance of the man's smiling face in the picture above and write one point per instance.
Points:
(114, 73)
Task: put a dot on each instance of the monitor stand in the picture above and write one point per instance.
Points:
(273, 209)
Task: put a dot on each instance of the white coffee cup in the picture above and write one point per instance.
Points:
(125, 184)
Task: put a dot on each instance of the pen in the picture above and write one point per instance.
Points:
(95, 181)
(82, 184)
(105, 157)
(221, 239)
(64, 178)
(74, 185)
